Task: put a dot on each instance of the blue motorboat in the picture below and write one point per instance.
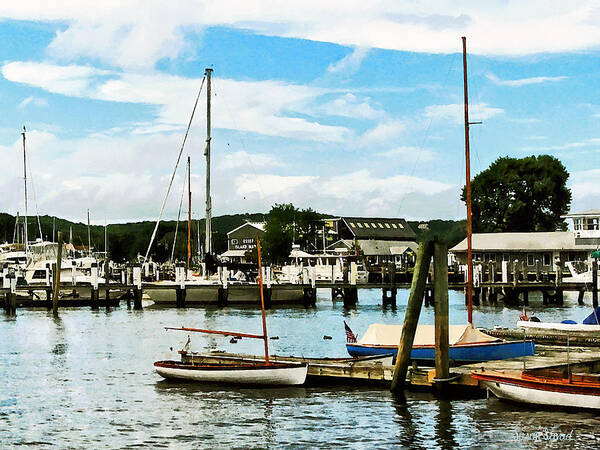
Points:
(467, 344)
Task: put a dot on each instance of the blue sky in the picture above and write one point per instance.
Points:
(348, 109)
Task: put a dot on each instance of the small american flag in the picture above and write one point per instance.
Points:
(350, 337)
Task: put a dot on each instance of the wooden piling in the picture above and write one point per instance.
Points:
(440, 280)
(57, 274)
(595, 283)
(137, 298)
(411, 317)
(106, 282)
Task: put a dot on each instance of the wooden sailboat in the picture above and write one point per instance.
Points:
(248, 372)
(467, 344)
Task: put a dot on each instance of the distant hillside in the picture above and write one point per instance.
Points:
(126, 240)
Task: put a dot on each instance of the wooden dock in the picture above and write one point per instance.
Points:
(375, 373)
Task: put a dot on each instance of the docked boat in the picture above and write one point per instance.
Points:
(259, 372)
(589, 328)
(467, 344)
(251, 373)
(544, 387)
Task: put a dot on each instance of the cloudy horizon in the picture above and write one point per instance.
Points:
(348, 108)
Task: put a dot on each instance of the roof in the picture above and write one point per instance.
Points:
(258, 225)
(532, 241)
(233, 253)
(372, 247)
(379, 228)
(589, 212)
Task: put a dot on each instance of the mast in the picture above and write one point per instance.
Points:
(189, 227)
(468, 189)
(53, 228)
(70, 234)
(17, 234)
(105, 239)
(89, 235)
(262, 302)
(26, 237)
(208, 237)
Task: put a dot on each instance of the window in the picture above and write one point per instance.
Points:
(400, 225)
(387, 225)
(380, 225)
(530, 259)
(394, 226)
(374, 225)
(547, 258)
(352, 225)
(367, 225)
(359, 224)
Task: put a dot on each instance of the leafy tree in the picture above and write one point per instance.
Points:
(526, 194)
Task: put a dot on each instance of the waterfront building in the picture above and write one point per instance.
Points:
(549, 248)
(380, 240)
(242, 239)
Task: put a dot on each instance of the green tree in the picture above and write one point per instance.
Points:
(520, 194)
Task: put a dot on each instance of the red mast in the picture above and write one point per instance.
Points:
(262, 302)
(468, 188)
(189, 227)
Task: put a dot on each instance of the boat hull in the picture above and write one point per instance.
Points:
(249, 374)
(573, 329)
(541, 393)
(458, 354)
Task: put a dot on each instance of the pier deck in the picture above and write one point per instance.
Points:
(376, 373)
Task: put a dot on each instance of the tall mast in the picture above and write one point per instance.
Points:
(89, 235)
(53, 228)
(17, 234)
(70, 234)
(189, 227)
(262, 302)
(105, 239)
(468, 188)
(26, 237)
(207, 238)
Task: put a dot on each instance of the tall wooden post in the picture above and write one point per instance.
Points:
(57, 274)
(440, 292)
(411, 318)
(595, 283)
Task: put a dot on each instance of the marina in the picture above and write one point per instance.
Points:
(276, 226)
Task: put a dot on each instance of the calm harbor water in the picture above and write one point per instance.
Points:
(86, 379)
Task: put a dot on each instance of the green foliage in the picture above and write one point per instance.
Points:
(450, 232)
(287, 224)
(527, 194)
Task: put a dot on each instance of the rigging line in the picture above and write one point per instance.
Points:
(178, 216)
(239, 136)
(37, 213)
(162, 209)
(426, 134)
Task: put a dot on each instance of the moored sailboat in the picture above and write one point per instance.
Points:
(259, 372)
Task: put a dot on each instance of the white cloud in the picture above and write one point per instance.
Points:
(243, 159)
(455, 112)
(384, 131)
(349, 105)
(523, 81)
(408, 153)
(584, 187)
(35, 101)
(349, 63)
(136, 34)
(567, 146)
(354, 193)
(174, 96)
